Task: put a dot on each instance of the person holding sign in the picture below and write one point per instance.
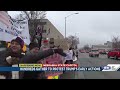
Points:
(69, 57)
(34, 48)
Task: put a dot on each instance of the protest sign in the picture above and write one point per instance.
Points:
(11, 28)
(53, 59)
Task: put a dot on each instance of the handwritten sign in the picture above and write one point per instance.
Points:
(11, 28)
(53, 59)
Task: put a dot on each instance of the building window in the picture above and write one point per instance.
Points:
(49, 31)
(44, 31)
(51, 39)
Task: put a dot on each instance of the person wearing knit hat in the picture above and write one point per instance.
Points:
(14, 54)
(34, 47)
(16, 44)
(19, 41)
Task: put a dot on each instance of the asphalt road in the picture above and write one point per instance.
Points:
(86, 61)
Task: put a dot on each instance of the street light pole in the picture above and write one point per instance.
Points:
(65, 21)
(65, 27)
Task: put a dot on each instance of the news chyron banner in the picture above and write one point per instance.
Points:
(111, 67)
(71, 67)
(60, 67)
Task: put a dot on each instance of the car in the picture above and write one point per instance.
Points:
(94, 53)
(115, 53)
(102, 51)
(87, 51)
(82, 51)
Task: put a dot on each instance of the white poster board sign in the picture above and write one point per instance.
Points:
(10, 28)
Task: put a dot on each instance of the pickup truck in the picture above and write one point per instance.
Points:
(114, 54)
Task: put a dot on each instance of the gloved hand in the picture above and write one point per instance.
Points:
(60, 51)
(12, 60)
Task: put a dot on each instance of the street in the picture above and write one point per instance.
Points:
(86, 61)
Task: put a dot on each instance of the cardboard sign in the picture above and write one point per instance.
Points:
(53, 59)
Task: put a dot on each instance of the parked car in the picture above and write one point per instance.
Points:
(82, 51)
(94, 53)
(114, 54)
(87, 51)
(102, 51)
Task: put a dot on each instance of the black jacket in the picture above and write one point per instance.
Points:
(31, 58)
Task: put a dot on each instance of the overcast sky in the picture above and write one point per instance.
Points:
(92, 27)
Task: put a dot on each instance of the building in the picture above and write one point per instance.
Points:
(49, 31)
(105, 47)
(108, 43)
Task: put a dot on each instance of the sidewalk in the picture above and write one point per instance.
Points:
(78, 74)
(73, 74)
(69, 74)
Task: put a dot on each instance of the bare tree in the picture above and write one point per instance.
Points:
(32, 16)
(115, 42)
(73, 41)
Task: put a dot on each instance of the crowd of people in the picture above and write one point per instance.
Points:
(14, 55)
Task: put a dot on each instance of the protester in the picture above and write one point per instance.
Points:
(76, 54)
(13, 56)
(45, 44)
(33, 48)
(69, 57)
